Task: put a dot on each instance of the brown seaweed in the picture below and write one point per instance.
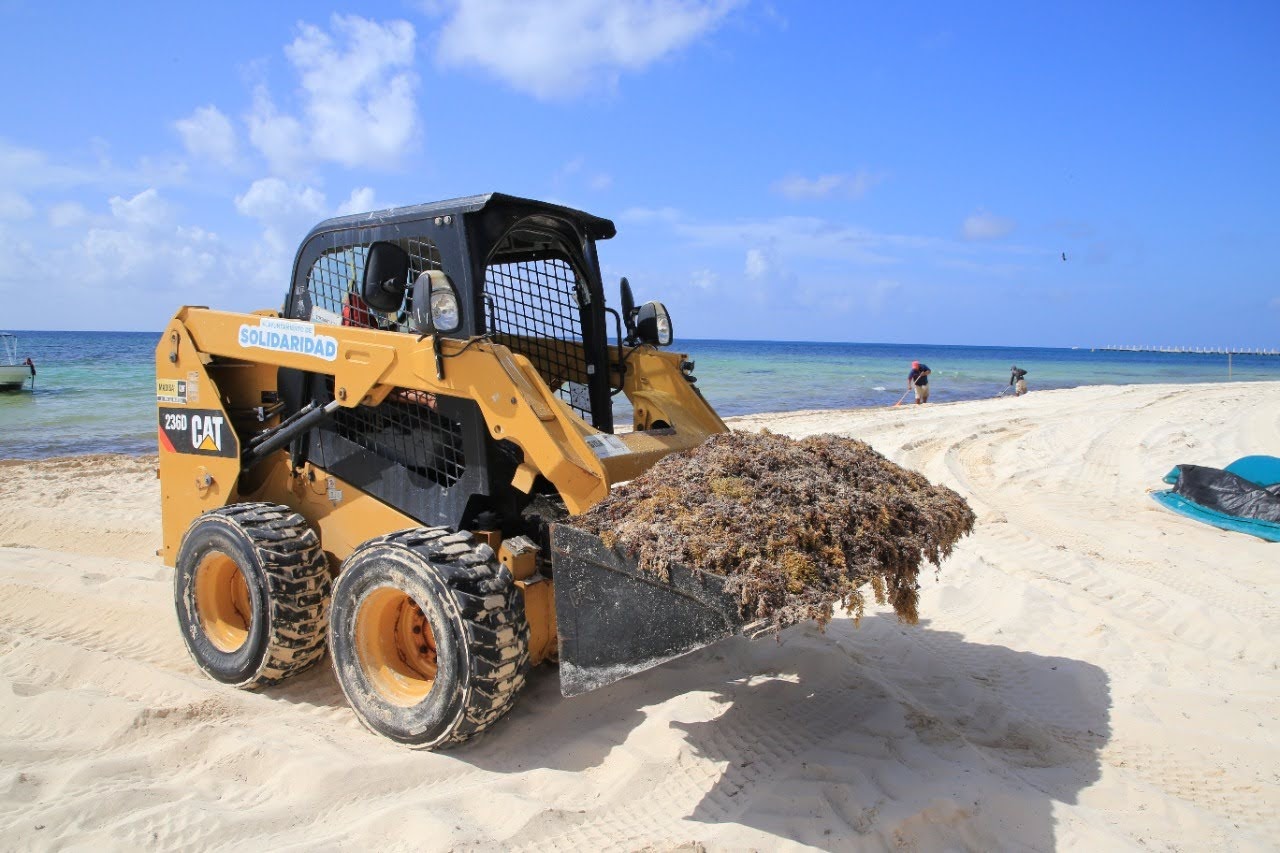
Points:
(797, 527)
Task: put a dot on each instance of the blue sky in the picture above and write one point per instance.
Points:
(806, 171)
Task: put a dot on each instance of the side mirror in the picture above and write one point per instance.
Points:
(628, 309)
(653, 324)
(386, 276)
(435, 303)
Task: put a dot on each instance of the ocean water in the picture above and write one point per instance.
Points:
(748, 377)
(95, 391)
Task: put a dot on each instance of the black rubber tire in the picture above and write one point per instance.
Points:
(476, 614)
(279, 557)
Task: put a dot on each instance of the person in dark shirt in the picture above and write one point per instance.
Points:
(918, 380)
(1018, 381)
(32, 365)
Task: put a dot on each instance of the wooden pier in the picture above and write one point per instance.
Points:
(1190, 350)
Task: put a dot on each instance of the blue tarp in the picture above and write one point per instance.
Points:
(1242, 497)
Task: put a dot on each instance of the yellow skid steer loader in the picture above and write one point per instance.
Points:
(389, 468)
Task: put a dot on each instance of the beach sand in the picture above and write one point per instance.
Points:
(1090, 672)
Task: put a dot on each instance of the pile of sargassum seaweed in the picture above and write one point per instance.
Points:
(797, 527)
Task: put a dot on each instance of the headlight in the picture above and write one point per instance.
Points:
(444, 308)
(435, 303)
(653, 324)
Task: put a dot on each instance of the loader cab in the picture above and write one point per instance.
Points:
(522, 272)
(541, 296)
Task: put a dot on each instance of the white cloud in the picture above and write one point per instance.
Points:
(803, 237)
(28, 168)
(849, 186)
(786, 250)
(576, 170)
(286, 212)
(650, 214)
(141, 249)
(186, 259)
(358, 94)
(758, 265)
(775, 243)
(705, 279)
(208, 134)
(66, 214)
(880, 291)
(361, 200)
(146, 208)
(361, 108)
(271, 200)
(31, 169)
(985, 266)
(114, 253)
(14, 206)
(986, 226)
(560, 48)
(573, 167)
(280, 138)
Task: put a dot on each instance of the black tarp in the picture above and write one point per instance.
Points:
(1227, 493)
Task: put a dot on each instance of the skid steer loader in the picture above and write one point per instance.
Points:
(389, 468)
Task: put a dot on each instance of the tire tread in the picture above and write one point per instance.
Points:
(298, 587)
(492, 611)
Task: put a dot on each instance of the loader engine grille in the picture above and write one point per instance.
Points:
(332, 292)
(408, 432)
(534, 308)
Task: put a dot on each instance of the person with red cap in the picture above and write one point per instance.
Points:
(918, 380)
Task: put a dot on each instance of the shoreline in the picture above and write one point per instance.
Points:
(731, 420)
(1091, 671)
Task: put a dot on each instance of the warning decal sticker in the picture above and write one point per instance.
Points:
(202, 432)
(171, 391)
(605, 445)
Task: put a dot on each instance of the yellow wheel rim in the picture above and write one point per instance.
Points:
(396, 647)
(222, 601)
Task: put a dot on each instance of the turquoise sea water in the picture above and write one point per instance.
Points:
(95, 391)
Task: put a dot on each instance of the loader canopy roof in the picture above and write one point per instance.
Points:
(506, 207)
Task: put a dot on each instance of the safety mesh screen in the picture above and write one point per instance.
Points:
(333, 285)
(403, 429)
(406, 430)
(534, 310)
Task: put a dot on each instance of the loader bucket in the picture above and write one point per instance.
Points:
(615, 620)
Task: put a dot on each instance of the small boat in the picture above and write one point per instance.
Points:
(13, 373)
(1244, 496)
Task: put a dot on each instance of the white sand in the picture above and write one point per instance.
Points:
(1092, 672)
